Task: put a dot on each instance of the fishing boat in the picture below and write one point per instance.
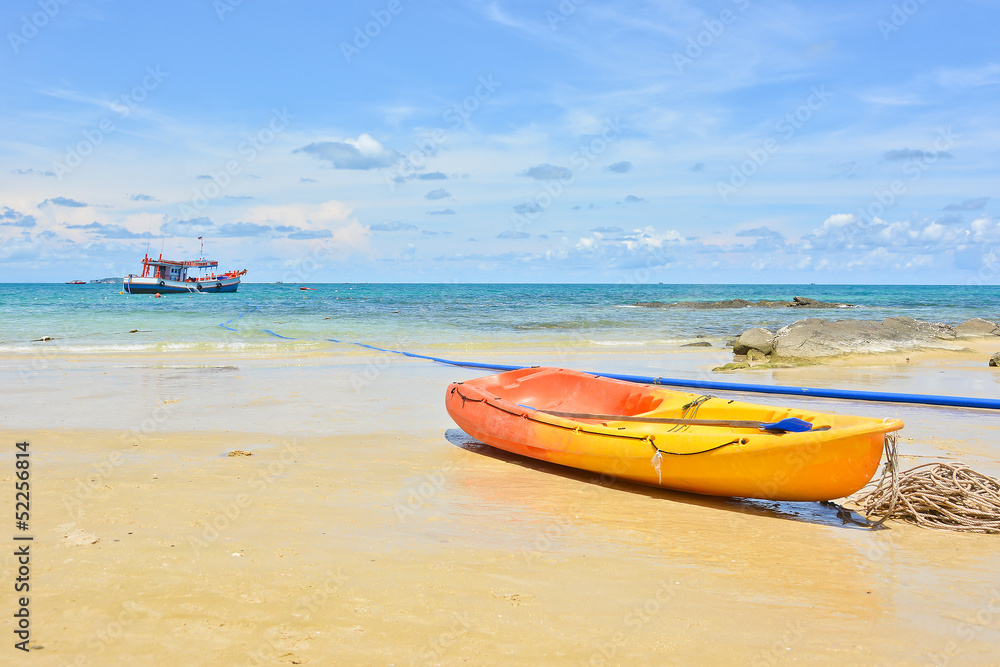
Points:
(166, 276)
(671, 439)
(76, 282)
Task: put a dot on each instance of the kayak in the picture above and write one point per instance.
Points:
(671, 439)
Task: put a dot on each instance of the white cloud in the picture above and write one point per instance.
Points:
(839, 220)
(844, 232)
(365, 152)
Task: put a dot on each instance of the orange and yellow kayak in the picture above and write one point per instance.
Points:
(672, 439)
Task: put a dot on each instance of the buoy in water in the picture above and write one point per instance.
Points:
(156, 296)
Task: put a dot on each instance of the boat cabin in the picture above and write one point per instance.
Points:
(165, 269)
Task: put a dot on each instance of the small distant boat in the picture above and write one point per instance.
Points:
(76, 282)
(166, 276)
(308, 288)
(671, 439)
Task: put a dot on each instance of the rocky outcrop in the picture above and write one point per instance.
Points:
(815, 338)
(995, 359)
(734, 366)
(754, 339)
(823, 338)
(796, 302)
(977, 327)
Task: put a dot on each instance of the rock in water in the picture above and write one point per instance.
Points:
(754, 339)
(734, 366)
(995, 359)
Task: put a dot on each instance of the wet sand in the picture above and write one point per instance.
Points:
(366, 529)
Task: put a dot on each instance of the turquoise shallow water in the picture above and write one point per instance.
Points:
(436, 317)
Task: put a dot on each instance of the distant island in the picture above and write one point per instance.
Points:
(106, 281)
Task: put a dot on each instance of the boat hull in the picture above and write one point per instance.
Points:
(711, 460)
(141, 285)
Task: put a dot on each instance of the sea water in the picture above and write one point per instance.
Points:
(438, 318)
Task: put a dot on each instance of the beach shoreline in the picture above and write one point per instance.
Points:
(366, 529)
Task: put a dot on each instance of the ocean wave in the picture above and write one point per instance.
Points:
(56, 350)
(154, 348)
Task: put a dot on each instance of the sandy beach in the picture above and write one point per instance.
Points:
(366, 529)
(244, 247)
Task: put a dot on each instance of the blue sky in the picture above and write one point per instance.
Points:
(472, 141)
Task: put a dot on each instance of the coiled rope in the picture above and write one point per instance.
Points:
(942, 496)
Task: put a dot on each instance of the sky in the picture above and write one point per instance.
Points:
(735, 141)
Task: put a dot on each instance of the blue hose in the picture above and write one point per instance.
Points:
(848, 394)
(843, 394)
